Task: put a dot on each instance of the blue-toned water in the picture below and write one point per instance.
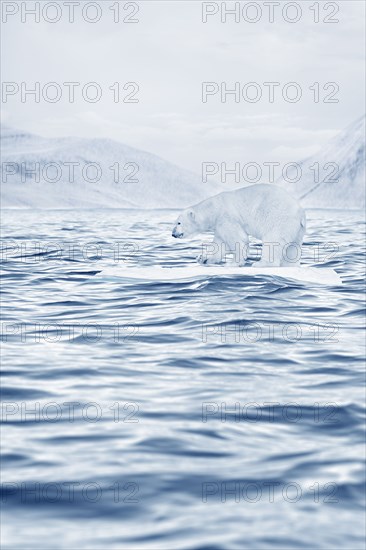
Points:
(224, 413)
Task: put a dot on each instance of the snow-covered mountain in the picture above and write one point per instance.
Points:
(342, 159)
(41, 172)
(56, 173)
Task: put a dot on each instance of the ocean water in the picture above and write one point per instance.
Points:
(220, 413)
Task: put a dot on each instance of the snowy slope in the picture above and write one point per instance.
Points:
(138, 179)
(342, 159)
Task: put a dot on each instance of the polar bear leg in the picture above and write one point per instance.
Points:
(212, 253)
(229, 238)
(280, 251)
(272, 247)
(292, 251)
(238, 247)
(235, 241)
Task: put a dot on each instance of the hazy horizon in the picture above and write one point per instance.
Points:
(169, 53)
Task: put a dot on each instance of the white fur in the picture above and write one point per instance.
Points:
(263, 211)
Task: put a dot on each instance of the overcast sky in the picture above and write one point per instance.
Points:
(169, 53)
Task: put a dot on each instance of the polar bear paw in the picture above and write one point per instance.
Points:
(209, 260)
(201, 259)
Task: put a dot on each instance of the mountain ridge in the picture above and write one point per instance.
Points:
(129, 177)
(341, 164)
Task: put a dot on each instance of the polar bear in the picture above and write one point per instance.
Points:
(263, 211)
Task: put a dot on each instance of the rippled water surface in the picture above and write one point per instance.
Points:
(220, 413)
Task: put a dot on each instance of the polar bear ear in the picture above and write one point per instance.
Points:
(191, 215)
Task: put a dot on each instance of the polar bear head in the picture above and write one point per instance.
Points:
(186, 225)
